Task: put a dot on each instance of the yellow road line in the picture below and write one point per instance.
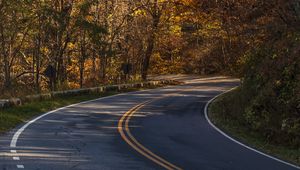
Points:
(138, 146)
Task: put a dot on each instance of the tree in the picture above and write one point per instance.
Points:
(13, 32)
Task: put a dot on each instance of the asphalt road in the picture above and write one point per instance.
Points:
(155, 129)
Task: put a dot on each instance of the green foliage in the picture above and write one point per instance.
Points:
(271, 83)
(229, 111)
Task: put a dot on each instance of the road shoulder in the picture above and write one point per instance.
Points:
(232, 127)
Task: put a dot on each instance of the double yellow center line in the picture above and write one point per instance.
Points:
(123, 128)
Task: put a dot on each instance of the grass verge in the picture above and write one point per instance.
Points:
(11, 117)
(226, 112)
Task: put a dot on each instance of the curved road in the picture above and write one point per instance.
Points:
(154, 129)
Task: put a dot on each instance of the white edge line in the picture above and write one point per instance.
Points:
(17, 134)
(20, 166)
(227, 136)
(16, 158)
(13, 143)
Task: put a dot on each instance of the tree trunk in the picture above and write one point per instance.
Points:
(37, 65)
(4, 53)
(103, 63)
(150, 46)
(7, 76)
(103, 60)
(81, 70)
(148, 54)
(82, 59)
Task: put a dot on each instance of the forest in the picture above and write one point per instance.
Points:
(61, 44)
(50, 45)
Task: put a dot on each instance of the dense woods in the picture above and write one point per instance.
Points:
(58, 44)
(62, 44)
(259, 41)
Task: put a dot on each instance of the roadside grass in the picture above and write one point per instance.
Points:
(226, 113)
(12, 117)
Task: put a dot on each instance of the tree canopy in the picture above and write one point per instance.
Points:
(87, 42)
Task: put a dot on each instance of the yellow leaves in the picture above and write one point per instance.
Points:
(73, 85)
(175, 25)
(177, 19)
(45, 50)
(139, 13)
(214, 25)
(163, 1)
(71, 45)
(161, 66)
(175, 29)
(89, 18)
(187, 2)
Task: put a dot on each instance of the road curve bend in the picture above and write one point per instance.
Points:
(163, 128)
